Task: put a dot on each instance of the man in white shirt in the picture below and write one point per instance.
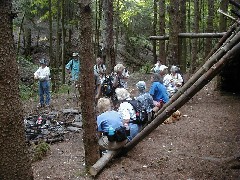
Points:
(42, 75)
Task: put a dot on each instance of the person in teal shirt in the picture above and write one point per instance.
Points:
(73, 67)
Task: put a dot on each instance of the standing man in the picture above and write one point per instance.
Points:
(42, 75)
(73, 67)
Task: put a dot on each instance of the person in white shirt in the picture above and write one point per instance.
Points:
(127, 112)
(42, 75)
(100, 69)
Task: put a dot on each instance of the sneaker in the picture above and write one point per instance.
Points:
(47, 106)
(40, 105)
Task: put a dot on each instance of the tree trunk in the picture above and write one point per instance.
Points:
(172, 57)
(108, 42)
(210, 28)
(87, 90)
(154, 43)
(195, 41)
(14, 163)
(63, 41)
(162, 49)
(222, 28)
(183, 42)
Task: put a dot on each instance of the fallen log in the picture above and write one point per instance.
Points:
(188, 94)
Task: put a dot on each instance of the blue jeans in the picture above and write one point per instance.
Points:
(44, 90)
(134, 130)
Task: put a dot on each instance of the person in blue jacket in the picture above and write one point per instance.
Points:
(158, 91)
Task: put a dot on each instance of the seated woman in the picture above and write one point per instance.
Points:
(108, 119)
(158, 91)
(173, 81)
(127, 112)
(120, 76)
(145, 98)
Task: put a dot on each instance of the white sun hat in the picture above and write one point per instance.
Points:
(75, 54)
(163, 67)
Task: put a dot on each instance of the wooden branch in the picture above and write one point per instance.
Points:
(97, 167)
(190, 35)
(159, 37)
(201, 35)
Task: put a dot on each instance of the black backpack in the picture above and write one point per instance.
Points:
(107, 86)
(141, 113)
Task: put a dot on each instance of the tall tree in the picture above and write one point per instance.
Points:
(87, 90)
(15, 163)
(195, 41)
(210, 28)
(155, 29)
(183, 41)
(223, 19)
(108, 41)
(173, 10)
(162, 54)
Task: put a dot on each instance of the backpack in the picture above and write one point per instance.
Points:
(141, 113)
(107, 86)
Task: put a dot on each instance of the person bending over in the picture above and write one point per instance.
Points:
(109, 120)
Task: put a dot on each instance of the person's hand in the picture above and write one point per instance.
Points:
(36, 77)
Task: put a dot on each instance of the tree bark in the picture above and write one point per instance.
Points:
(154, 43)
(108, 41)
(195, 41)
(172, 57)
(14, 163)
(183, 42)
(162, 49)
(87, 90)
(63, 41)
(210, 28)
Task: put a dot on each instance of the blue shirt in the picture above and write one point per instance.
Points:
(74, 66)
(159, 92)
(109, 119)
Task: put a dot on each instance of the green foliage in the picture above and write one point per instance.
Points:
(40, 150)
(146, 68)
(27, 92)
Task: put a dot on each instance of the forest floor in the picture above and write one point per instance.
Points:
(203, 144)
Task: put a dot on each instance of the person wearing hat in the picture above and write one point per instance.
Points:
(127, 112)
(121, 75)
(42, 75)
(145, 98)
(73, 67)
(107, 119)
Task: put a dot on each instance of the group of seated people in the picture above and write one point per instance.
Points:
(117, 121)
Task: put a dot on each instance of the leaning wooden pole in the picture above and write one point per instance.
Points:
(208, 64)
(185, 97)
(188, 94)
